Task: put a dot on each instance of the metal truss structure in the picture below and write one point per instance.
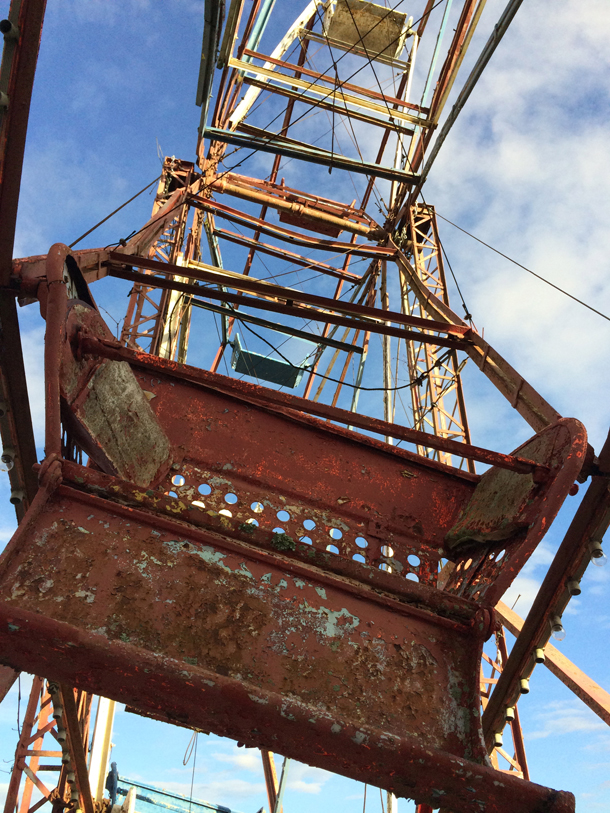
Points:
(323, 553)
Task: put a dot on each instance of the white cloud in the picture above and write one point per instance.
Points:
(249, 760)
(215, 789)
(563, 717)
(306, 779)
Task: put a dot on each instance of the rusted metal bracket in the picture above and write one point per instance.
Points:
(571, 560)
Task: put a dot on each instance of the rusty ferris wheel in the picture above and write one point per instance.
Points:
(291, 547)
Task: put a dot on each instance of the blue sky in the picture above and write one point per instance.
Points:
(526, 169)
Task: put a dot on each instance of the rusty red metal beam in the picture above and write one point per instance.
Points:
(290, 308)
(114, 351)
(15, 417)
(288, 256)
(19, 58)
(291, 295)
(258, 302)
(590, 523)
(29, 722)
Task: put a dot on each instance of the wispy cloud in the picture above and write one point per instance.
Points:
(563, 717)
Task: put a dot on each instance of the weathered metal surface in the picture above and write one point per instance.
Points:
(263, 396)
(590, 522)
(247, 615)
(229, 637)
(508, 516)
(269, 570)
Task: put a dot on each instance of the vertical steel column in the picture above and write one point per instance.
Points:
(146, 318)
(46, 723)
(437, 398)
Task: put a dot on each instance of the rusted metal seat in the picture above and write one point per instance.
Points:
(232, 564)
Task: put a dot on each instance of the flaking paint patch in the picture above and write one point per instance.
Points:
(208, 554)
(334, 623)
(244, 570)
(86, 594)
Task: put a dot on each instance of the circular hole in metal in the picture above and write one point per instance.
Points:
(335, 533)
(413, 577)
(283, 516)
(225, 512)
(468, 563)
(309, 524)
(500, 555)
(178, 480)
(305, 539)
(198, 503)
(279, 531)
(204, 488)
(172, 494)
(358, 557)
(384, 566)
(231, 498)
(413, 560)
(387, 551)
(257, 507)
(361, 542)
(252, 521)
(332, 548)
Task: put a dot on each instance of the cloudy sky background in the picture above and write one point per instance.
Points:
(526, 169)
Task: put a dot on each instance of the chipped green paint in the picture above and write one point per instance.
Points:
(333, 623)
(205, 552)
